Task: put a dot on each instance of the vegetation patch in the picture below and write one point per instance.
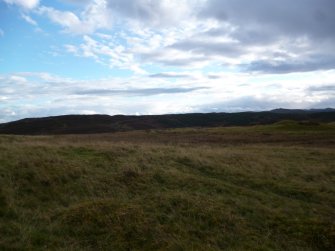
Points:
(240, 188)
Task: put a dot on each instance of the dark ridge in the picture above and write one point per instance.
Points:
(82, 124)
(283, 110)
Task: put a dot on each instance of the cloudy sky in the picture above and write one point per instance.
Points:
(164, 56)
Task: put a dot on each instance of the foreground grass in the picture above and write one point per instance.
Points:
(257, 188)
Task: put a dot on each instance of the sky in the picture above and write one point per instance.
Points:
(164, 56)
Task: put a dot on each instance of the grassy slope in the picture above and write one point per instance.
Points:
(255, 188)
(77, 124)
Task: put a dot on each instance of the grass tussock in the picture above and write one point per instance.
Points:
(255, 188)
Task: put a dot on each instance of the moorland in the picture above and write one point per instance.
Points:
(261, 187)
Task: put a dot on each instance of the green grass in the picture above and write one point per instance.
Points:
(247, 188)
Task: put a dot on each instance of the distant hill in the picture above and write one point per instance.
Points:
(282, 110)
(81, 124)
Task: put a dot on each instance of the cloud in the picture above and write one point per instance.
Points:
(152, 12)
(171, 57)
(101, 14)
(260, 36)
(94, 16)
(43, 94)
(279, 37)
(27, 84)
(169, 75)
(2, 33)
(77, 2)
(138, 92)
(302, 31)
(26, 4)
(301, 17)
(108, 53)
(180, 56)
(317, 62)
(208, 48)
(263, 103)
(28, 19)
(246, 103)
(257, 36)
(71, 48)
(66, 19)
(327, 89)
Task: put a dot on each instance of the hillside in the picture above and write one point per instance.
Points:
(78, 124)
(222, 188)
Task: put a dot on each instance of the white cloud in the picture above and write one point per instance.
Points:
(113, 55)
(254, 37)
(155, 13)
(2, 33)
(66, 19)
(17, 79)
(71, 48)
(199, 33)
(95, 16)
(28, 19)
(102, 14)
(26, 4)
(77, 2)
(42, 94)
(136, 47)
(252, 57)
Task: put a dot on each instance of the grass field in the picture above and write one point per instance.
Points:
(240, 188)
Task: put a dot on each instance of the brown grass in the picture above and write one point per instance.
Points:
(255, 188)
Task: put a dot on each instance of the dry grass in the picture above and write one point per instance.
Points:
(256, 188)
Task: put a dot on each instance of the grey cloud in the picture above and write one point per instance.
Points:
(151, 12)
(299, 17)
(245, 35)
(169, 75)
(213, 76)
(181, 62)
(254, 36)
(325, 103)
(318, 62)
(251, 103)
(246, 103)
(145, 10)
(306, 17)
(323, 88)
(209, 48)
(79, 2)
(301, 27)
(139, 92)
(161, 58)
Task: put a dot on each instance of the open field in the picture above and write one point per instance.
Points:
(236, 188)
